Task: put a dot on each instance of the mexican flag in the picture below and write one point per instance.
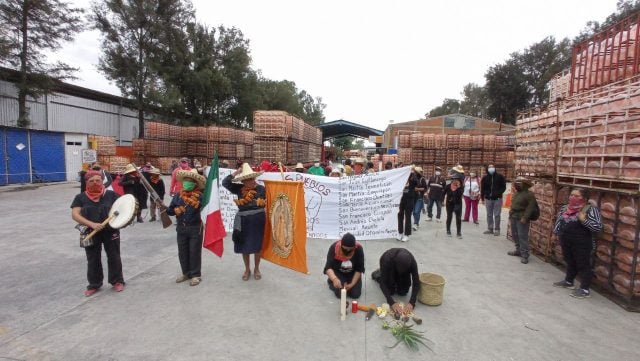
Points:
(211, 217)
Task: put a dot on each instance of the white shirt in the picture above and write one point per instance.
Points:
(471, 185)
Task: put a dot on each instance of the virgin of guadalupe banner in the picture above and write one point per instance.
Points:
(364, 205)
(285, 232)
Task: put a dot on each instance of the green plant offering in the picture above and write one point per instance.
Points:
(405, 333)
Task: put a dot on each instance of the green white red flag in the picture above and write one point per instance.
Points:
(214, 232)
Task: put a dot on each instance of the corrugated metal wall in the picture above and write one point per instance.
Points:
(66, 113)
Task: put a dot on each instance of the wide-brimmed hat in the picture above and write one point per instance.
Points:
(154, 170)
(361, 161)
(438, 168)
(247, 173)
(299, 166)
(193, 174)
(418, 169)
(129, 169)
(523, 180)
(458, 169)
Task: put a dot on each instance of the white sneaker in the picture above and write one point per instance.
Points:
(405, 239)
(415, 227)
(430, 219)
(399, 236)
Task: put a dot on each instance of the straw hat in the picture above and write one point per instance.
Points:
(360, 161)
(458, 169)
(193, 174)
(299, 166)
(154, 170)
(129, 169)
(247, 173)
(418, 169)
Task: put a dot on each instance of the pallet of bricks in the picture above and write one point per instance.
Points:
(106, 151)
(600, 151)
(473, 152)
(166, 143)
(282, 137)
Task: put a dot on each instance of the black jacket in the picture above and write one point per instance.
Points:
(492, 186)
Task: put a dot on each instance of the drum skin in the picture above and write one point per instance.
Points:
(126, 205)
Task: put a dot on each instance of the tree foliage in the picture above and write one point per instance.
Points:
(448, 106)
(475, 100)
(27, 29)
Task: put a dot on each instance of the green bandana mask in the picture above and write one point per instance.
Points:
(188, 185)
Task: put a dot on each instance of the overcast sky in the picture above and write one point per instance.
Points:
(374, 61)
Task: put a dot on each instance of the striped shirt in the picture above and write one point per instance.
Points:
(593, 222)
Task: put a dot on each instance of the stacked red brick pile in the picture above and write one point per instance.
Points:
(106, 149)
(473, 152)
(282, 137)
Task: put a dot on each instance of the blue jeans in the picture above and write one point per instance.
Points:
(417, 209)
(438, 203)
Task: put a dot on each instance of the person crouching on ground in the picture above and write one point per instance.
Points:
(91, 208)
(575, 226)
(522, 208)
(397, 273)
(345, 266)
(186, 206)
(248, 225)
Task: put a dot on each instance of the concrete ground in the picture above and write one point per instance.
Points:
(494, 307)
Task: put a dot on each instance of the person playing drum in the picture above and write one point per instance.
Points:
(91, 208)
(186, 206)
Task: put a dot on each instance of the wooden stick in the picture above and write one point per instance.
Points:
(93, 233)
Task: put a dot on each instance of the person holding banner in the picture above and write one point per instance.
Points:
(186, 206)
(405, 210)
(248, 225)
(345, 266)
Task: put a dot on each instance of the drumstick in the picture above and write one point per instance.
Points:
(115, 214)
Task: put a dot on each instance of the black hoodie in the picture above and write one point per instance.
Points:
(492, 186)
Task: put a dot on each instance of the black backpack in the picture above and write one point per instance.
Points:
(536, 212)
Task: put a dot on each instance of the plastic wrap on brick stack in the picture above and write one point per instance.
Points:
(281, 137)
(609, 56)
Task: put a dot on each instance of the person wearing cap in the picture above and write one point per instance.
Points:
(397, 273)
(435, 193)
(492, 186)
(175, 186)
(157, 184)
(131, 184)
(90, 208)
(421, 186)
(345, 266)
(299, 168)
(186, 206)
(316, 169)
(248, 224)
(523, 206)
(452, 197)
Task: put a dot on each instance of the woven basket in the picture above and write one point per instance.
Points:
(431, 289)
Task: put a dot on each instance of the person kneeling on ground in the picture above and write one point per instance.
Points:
(398, 271)
(345, 266)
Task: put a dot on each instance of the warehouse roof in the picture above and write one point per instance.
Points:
(341, 128)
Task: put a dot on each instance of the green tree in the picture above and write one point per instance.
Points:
(475, 100)
(449, 106)
(27, 28)
(134, 41)
(540, 63)
(507, 90)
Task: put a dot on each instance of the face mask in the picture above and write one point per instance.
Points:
(438, 173)
(491, 170)
(316, 164)
(576, 202)
(188, 186)
(155, 177)
(347, 252)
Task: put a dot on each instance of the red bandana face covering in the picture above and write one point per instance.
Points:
(95, 191)
(575, 205)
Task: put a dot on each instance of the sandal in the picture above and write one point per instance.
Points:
(246, 275)
(195, 281)
(257, 275)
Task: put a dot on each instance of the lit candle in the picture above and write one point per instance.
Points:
(343, 304)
